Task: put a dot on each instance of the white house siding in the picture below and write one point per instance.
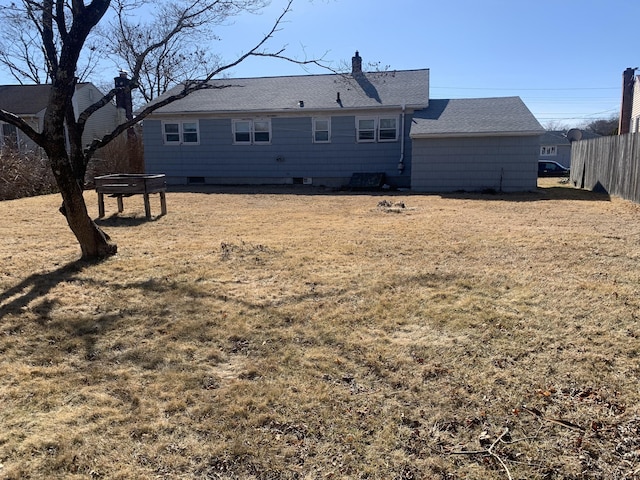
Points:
(24, 142)
(101, 122)
(635, 108)
(507, 163)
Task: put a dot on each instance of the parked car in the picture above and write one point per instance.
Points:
(548, 168)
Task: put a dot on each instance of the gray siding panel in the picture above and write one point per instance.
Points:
(562, 156)
(291, 154)
(473, 164)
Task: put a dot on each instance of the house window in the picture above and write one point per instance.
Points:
(9, 135)
(388, 131)
(321, 130)
(190, 132)
(178, 133)
(366, 129)
(548, 151)
(261, 131)
(255, 131)
(377, 129)
(242, 131)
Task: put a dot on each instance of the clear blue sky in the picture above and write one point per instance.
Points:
(564, 58)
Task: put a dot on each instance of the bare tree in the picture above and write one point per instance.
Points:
(556, 125)
(64, 28)
(604, 126)
(22, 52)
(180, 29)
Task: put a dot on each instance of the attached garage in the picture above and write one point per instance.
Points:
(475, 145)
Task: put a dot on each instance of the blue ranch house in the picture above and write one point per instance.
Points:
(324, 129)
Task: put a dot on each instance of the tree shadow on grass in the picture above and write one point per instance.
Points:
(36, 286)
(540, 195)
(116, 220)
(556, 192)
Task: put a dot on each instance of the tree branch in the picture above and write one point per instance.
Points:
(14, 119)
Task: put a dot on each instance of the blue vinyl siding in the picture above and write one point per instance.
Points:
(472, 164)
(291, 153)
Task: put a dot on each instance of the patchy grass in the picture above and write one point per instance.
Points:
(274, 336)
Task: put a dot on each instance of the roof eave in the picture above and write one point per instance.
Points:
(298, 110)
(524, 133)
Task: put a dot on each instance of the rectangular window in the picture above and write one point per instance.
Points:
(251, 131)
(388, 130)
(366, 129)
(177, 133)
(190, 132)
(321, 130)
(548, 150)
(242, 131)
(261, 131)
(9, 135)
(377, 129)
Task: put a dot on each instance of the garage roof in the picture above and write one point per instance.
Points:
(475, 117)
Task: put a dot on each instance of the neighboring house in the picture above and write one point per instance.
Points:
(30, 101)
(323, 129)
(635, 106)
(555, 145)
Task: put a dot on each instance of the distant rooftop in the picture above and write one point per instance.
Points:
(24, 99)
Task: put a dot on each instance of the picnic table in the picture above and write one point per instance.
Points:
(121, 185)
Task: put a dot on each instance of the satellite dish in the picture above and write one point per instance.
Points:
(574, 134)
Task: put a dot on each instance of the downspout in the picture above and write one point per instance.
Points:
(401, 162)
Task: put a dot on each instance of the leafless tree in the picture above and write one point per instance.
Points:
(63, 31)
(181, 30)
(604, 126)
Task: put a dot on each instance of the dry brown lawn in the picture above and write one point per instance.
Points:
(324, 336)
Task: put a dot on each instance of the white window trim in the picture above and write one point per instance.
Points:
(315, 130)
(376, 129)
(180, 124)
(252, 131)
(548, 151)
(366, 140)
(233, 130)
(395, 137)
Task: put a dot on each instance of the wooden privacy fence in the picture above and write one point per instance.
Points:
(609, 164)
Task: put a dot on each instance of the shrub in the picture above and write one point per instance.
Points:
(24, 174)
(122, 155)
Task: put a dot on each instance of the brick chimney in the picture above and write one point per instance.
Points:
(627, 101)
(123, 97)
(134, 161)
(356, 64)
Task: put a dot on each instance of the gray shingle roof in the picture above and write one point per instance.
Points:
(554, 137)
(24, 99)
(559, 137)
(317, 92)
(475, 117)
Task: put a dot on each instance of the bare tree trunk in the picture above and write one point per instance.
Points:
(94, 243)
